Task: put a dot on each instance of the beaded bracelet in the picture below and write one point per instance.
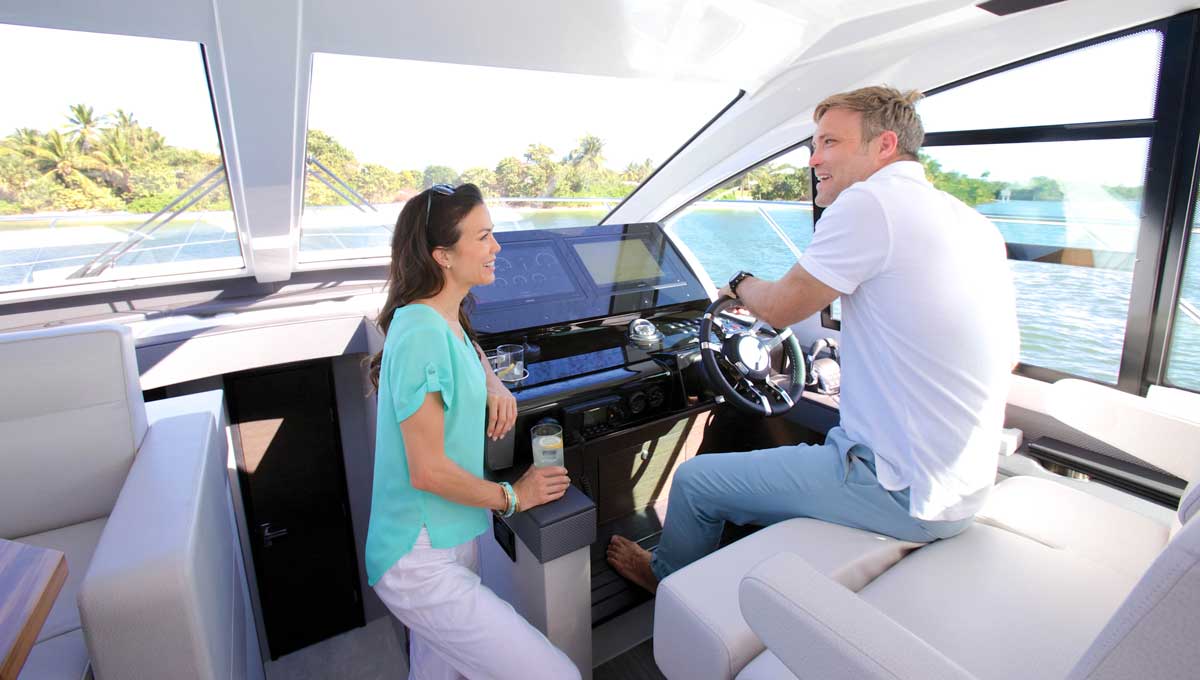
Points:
(511, 497)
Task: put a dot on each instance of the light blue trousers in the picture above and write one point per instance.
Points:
(834, 482)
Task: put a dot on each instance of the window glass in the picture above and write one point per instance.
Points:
(1183, 361)
(1074, 87)
(1069, 212)
(547, 149)
(107, 171)
(752, 222)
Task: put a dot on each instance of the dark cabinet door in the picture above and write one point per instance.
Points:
(294, 488)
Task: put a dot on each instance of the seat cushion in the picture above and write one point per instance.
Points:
(766, 666)
(699, 631)
(1000, 604)
(63, 657)
(71, 431)
(1079, 523)
(78, 543)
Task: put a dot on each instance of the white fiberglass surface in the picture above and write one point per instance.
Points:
(110, 166)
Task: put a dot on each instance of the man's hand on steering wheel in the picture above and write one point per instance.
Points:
(739, 366)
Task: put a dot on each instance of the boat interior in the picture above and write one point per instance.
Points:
(194, 430)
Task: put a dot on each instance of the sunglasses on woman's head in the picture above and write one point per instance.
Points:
(443, 189)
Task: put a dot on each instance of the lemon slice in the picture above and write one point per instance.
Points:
(506, 371)
(550, 443)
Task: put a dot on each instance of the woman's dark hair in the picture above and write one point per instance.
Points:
(413, 273)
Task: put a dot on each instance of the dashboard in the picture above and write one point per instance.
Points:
(561, 276)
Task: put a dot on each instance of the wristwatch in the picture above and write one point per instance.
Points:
(737, 279)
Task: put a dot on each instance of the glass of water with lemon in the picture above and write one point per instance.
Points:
(547, 443)
(510, 363)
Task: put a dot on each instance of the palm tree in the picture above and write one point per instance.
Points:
(63, 159)
(21, 142)
(116, 155)
(637, 172)
(149, 141)
(84, 124)
(124, 120)
(589, 153)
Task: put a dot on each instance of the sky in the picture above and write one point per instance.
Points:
(406, 114)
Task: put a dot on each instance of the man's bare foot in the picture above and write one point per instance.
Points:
(632, 561)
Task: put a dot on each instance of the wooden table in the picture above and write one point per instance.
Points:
(30, 580)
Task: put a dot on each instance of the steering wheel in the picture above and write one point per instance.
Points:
(739, 368)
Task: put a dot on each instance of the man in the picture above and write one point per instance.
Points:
(929, 337)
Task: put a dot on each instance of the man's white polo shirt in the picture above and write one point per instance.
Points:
(929, 335)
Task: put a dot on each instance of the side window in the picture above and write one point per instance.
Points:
(1183, 360)
(759, 221)
(1067, 199)
(108, 171)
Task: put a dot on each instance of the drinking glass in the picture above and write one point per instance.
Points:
(513, 368)
(546, 441)
(497, 360)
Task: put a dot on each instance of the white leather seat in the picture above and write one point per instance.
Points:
(136, 496)
(1050, 583)
(700, 634)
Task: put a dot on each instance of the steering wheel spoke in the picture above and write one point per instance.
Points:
(738, 366)
(778, 390)
(730, 369)
(762, 398)
(780, 338)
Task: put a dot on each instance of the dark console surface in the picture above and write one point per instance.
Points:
(609, 320)
(550, 277)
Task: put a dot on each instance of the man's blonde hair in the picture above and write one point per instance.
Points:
(882, 108)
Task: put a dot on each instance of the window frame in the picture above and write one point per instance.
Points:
(1161, 239)
(1169, 191)
(806, 143)
(69, 288)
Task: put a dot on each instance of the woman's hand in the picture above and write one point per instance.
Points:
(541, 485)
(502, 409)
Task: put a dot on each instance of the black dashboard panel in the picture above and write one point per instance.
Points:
(550, 277)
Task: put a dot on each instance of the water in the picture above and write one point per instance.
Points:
(196, 242)
(547, 451)
(1072, 318)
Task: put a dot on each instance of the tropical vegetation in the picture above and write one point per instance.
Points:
(537, 173)
(100, 162)
(115, 162)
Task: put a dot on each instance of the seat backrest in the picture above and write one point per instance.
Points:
(71, 421)
(1131, 423)
(1153, 634)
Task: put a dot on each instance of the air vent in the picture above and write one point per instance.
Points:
(1003, 8)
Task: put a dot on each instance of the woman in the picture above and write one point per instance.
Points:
(430, 500)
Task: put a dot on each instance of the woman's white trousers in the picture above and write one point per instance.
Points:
(459, 628)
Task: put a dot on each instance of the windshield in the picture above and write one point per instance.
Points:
(108, 172)
(547, 149)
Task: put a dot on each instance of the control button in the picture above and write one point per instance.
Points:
(637, 403)
(656, 396)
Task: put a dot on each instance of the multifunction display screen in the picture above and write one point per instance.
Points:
(618, 261)
(526, 271)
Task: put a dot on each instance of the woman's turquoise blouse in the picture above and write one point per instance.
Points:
(422, 354)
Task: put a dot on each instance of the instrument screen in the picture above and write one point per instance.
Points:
(618, 261)
(526, 271)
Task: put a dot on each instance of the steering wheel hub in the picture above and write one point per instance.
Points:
(739, 367)
(749, 354)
